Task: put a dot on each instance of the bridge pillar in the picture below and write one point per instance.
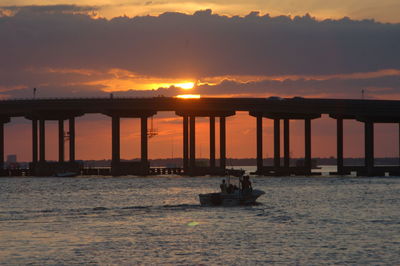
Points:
(276, 169)
(1, 146)
(3, 120)
(189, 141)
(192, 146)
(115, 135)
(212, 142)
(222, 143)
(60, 140)
(34, 141)
(339, 145)
(144, 146)
(259, 144)
(42, 140)
(124, 168)
(369, 147)
(185, 143)
(277, 146)
(286, 143)
(72, 139)
(307, 145)
(144, 141)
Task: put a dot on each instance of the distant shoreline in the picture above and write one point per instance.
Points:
(177, 162)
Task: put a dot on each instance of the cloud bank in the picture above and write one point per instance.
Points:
(38, 42)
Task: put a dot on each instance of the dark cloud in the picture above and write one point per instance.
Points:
(49, 9)
(53, 91)
(37, 77)
(377, 87)
(333, 87)
(198, 45)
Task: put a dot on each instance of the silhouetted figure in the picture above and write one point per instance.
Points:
(223, 186)
(231, 188)
(246, 184)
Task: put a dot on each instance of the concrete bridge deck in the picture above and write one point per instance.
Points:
(38, 111)
(58, 107)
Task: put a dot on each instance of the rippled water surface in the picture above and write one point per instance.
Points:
(301, 221)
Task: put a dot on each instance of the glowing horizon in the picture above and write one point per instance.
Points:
(385, 12)
(185, 85)
(188, 96)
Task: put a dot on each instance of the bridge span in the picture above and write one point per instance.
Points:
(39, 111)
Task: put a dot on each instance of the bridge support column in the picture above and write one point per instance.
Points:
(399, 144)
(277, 146)
(259, 129)
(72, 139)
(61, 140)
(339, 145)
(115, 135)
(189, 142)
(42, 140)
(285, 169)
(192, 148)
(286, 143)
(34, 142)
(2, 122)
(1, 146)
(307, 146)
(185, 143)
(222, 143)
(212, 142)
(144, 144)
(369, 147)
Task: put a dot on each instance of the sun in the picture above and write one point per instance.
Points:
(188, 96)
(185, 85)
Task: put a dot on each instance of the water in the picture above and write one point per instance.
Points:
(300, 221)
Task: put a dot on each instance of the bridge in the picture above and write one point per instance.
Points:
(369, 112)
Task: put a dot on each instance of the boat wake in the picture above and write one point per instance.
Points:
(100, 210)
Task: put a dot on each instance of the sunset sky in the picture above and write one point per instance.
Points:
(310, 48)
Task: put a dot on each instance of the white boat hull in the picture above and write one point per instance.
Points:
(232, 199)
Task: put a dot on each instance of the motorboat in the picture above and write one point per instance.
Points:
(237, 197)
(231, 195)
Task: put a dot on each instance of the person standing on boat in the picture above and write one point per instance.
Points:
(246, 184)
(224, 187)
